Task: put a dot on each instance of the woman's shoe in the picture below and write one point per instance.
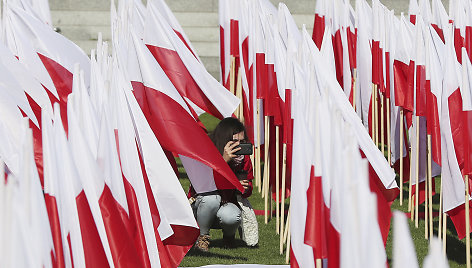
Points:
(203, 242)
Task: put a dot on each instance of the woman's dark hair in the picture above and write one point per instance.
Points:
(224, 132)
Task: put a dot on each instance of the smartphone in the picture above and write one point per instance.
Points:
(246, 149)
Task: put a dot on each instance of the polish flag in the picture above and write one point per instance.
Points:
(177, 227)
(440, 18)
(81, 241)
(320, 22)
(466, 92)
(139, 205)
(169, 17)
(171, 121)
(47, 55)
(413, 10)
(452, 131)
(187, 74)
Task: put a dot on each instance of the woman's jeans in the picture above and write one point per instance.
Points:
(210, 214)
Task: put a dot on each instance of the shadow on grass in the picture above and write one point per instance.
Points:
(210, 254)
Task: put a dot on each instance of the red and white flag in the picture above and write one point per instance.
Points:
(187, 74)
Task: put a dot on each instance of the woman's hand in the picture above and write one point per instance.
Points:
(245, 184)
(230, 149)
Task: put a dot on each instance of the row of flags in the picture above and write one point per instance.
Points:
(334, 172)
(414, 72)
(88, 143)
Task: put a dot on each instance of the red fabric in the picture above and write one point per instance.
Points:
(234, 42)
(384, 199)
(180, 77)
(439, 31)
(315, 228)
(468, 41)
(400, 76)
(171, 125)
(433, 126)
(288, 140)
(115, 218)
(293, 260)
(421, 90)
(170, 254)
(247, 166)
(318, 30)
(413, 19)
(136, 226)
(458, 218)
(376, 63)
(352, 47)
(261, 74)
(53, 215)
(468, 156)
(388, 78)
(70, 250)
(185, 42)
(458, 126)
(338, 56)
(334, 241)
(410, 91)
(458, 44)
(423, 191)
(274, 102)
(62, 80)
(93, 247)
(37, 138)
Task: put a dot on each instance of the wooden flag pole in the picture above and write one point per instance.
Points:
(373, 114)
(467, 221)
(265, 190)
(287, 235)
(430, 187)
(266, 153)
(417, 172)
(376, 117)
(382, 122)
(389, 149)
(231, 78)
(444, 229)
(426, 203)
(258, 148)
(239, 94)
(440, 210)
(277, 178)
(282, 203)
(266, 196)
(287, 227)
(401, 157)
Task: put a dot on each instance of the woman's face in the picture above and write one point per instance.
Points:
(239, 136)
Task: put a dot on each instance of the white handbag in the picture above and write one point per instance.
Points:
(249, 229)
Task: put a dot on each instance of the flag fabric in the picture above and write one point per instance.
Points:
(404, 254)
(172, 108)
(187, 74)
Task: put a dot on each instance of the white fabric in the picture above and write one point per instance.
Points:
(404, 254)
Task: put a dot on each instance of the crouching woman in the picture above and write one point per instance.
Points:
(220, 209)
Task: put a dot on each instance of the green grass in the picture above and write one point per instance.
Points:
(455, 248)
(267, 252)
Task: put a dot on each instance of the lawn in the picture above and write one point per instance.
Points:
(267, 252)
